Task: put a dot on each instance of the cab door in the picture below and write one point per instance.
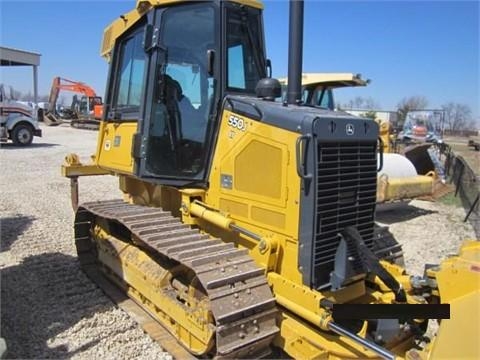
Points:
(176, 131)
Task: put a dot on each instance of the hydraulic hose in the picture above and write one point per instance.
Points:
(384, 353)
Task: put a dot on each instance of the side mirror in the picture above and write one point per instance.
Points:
(210, 62)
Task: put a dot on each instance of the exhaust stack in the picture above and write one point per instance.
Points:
(295, 54)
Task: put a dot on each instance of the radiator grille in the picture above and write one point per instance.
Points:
(346, 195)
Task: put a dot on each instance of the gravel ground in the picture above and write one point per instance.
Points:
(50, 309)
(428, 231)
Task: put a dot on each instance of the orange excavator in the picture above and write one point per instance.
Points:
(85, 112)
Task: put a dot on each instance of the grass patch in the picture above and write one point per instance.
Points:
(451, 200)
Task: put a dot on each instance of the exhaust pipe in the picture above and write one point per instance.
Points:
(295, 54)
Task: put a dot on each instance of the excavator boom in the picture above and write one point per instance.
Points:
(92, 102)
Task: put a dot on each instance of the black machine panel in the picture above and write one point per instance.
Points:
(346, 194)
(342, 158)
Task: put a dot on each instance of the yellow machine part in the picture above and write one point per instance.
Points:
(126, 21)
(148, 283)
(115, 146)
(264, 194)
(398, 180)
(391, 189)
(384, 128)
(303, 341)
(459, 285)
(458, 279)
(73, 167)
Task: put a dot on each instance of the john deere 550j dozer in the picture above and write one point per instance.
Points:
(244, 221)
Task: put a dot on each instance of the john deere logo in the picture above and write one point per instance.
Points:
(350, 129)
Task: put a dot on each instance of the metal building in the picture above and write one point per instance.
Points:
(16, 57)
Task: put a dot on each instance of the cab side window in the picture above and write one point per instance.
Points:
(245, 58)
(324, 98)
(131, 68)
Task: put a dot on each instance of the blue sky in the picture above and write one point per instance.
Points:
(427, 48)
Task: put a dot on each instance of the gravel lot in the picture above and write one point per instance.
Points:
(50, 309)
(428, 231)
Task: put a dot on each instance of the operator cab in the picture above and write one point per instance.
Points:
(175, 69)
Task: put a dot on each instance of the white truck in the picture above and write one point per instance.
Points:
(18, 124)
(18, 121)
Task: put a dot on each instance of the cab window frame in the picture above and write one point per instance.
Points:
(114, 112)
(252, 13)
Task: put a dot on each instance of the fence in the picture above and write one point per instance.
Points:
(467, 186)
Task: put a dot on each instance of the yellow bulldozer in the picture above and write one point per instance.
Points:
(248, 224)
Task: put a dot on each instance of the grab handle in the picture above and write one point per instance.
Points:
(301, 151)
(380, 165)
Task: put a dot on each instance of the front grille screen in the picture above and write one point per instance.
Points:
(346, 194)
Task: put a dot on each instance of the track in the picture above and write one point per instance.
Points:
(87, 124)
(143, 318)
(239, 298)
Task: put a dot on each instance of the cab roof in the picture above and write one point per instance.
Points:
(334, 80)
(125, 21)
(254, 3)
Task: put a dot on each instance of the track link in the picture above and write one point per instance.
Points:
(87, 124)
(240, 299)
